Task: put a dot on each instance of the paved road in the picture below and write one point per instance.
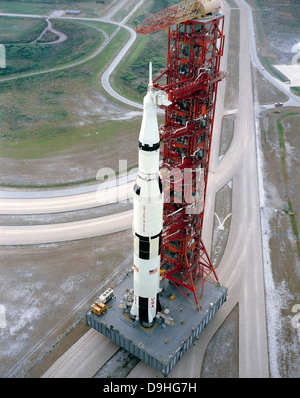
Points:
(242, 263)
(106, 75)
(61, 36)
(88, 354)
(64, 232)
(60, 203)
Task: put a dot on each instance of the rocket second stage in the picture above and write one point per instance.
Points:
(148, 212)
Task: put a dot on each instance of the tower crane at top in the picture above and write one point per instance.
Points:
(184, 11)
(190, 79)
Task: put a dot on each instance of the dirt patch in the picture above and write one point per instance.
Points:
(119, 366)
(46, 290)
(232, 76)
(226, 134)
(292, 72)
(281, 145)
(98, 133)
(277, 28)
(266, 93)
(222, 221)
(61, 118)
(221, 358)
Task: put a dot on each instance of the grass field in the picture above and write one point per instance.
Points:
(277, 28)
(44, 7)
(281, 132)
(22, 57)
(63, 115)
(19, 30)
(281, 145)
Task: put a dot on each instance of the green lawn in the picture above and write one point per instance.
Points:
(36, 109)
(41, 115)
(82, 41)
(88, 8)
(19, 30)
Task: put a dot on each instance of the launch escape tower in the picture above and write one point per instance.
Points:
(195, 47)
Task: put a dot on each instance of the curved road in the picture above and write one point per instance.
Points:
(59, 204)
(61, 36)
(52, 233)
(98, 51)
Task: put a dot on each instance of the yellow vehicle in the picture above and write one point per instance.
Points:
(98, 308)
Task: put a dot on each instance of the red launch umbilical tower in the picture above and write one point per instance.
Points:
(195, 47)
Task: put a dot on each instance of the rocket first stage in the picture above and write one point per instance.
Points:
(148, 212)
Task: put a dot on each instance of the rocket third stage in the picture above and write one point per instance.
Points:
(148, 212)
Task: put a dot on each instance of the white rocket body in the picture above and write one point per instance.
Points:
(148, 213)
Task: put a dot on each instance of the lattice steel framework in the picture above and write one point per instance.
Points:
(195, 48)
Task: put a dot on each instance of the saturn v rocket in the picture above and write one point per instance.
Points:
(148, 212)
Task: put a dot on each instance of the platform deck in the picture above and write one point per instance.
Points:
(160, 346)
